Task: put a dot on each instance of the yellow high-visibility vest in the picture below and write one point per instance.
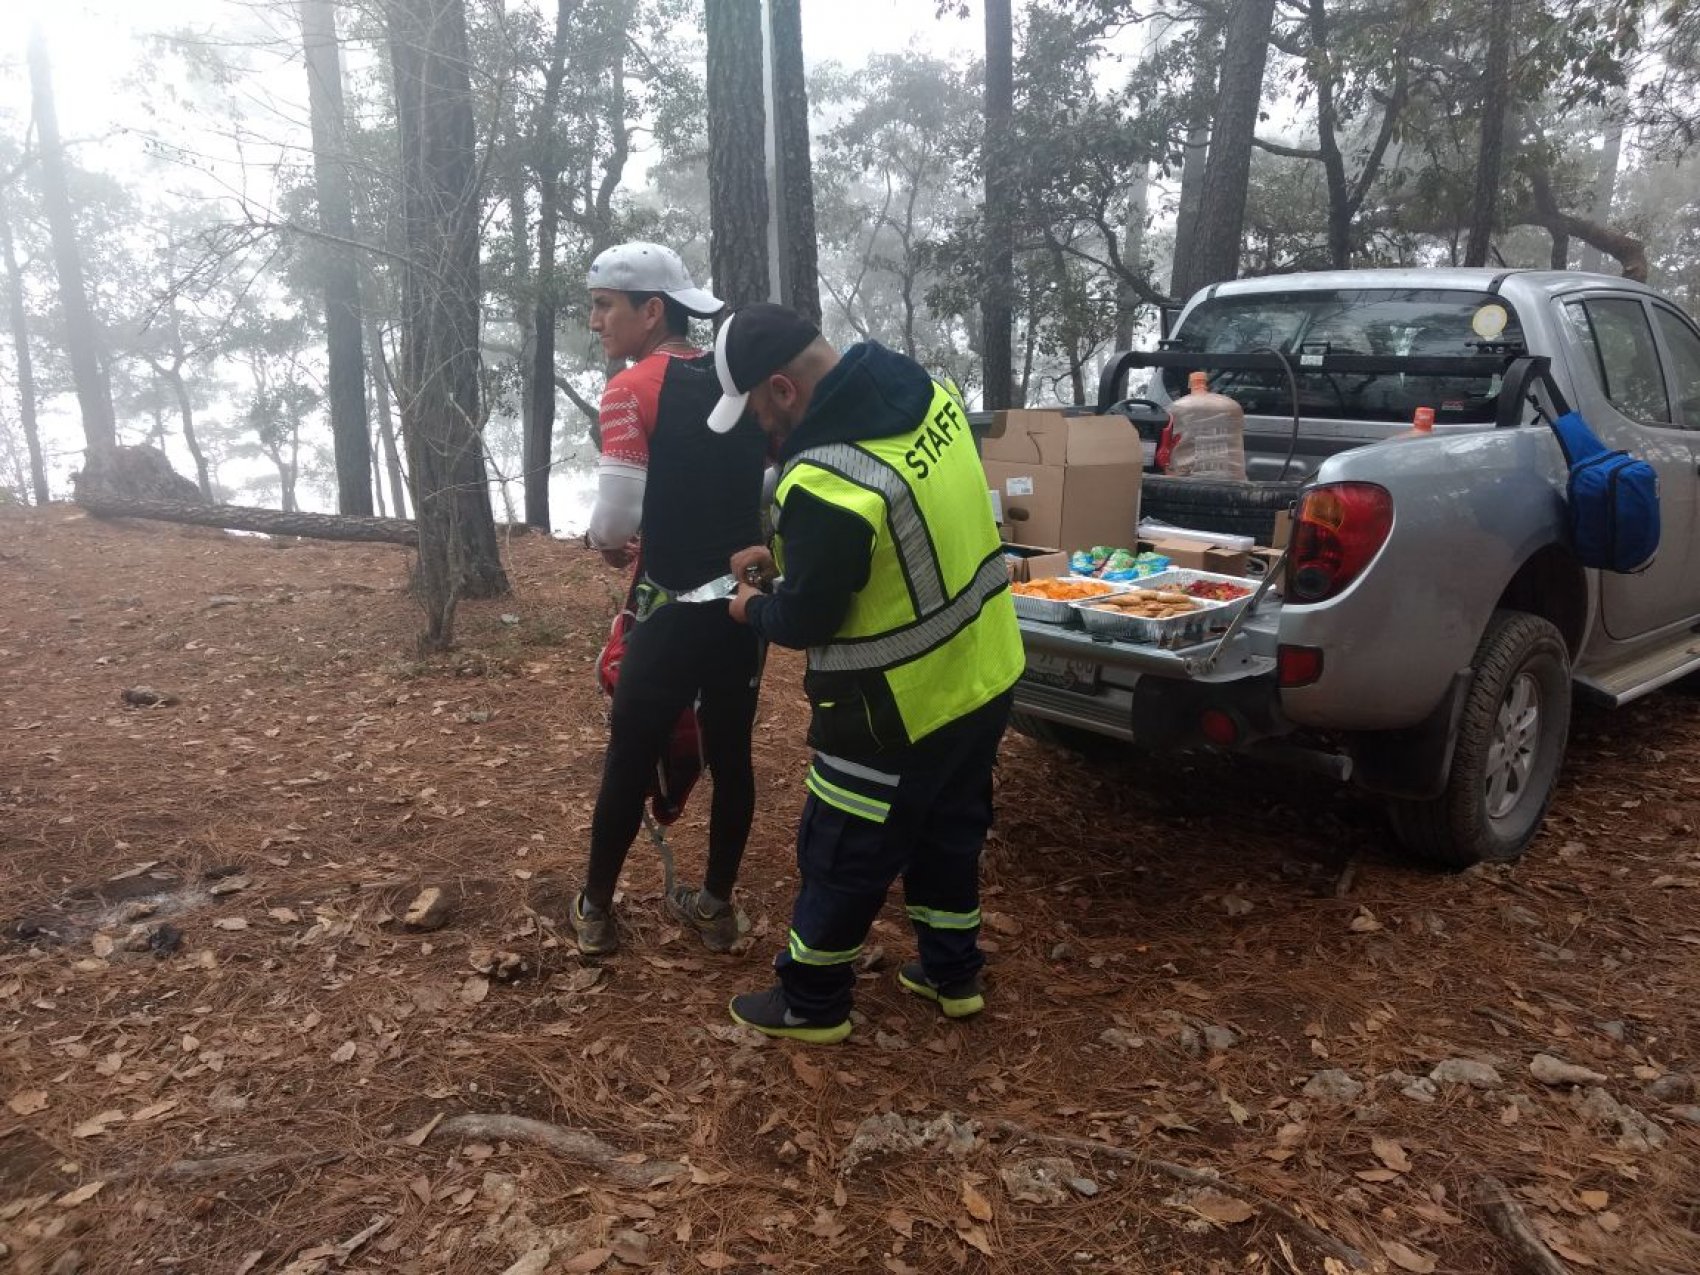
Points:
(932, 634)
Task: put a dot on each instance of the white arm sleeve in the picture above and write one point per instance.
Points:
(769, 486)
(619, 504)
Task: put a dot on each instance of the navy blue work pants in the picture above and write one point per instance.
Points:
(921, 813)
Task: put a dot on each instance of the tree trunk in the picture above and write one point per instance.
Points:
(794, 184)
(1611, 154)
(907, 288)
(539, 426)
(619, 138)
(525, 302)
(1195, 159)
(386, 422)
(458, 552)
(1022, 390)
(1133, 255)
(997, 303)
(273, 522)
(378, 503)
(21, 350)
(1321, 69)
(1490, 155)
(285, 485)
(737, 152)
(346, 388)
(94, 393)
(173, 376)
(290, 504)
(1221, 221)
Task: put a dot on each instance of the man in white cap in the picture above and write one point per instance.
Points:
(696, 496)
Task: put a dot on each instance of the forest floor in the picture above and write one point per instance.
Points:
(1204, 963)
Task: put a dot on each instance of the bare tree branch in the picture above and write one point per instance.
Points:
(1290, 152)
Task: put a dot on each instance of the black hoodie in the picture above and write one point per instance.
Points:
(872, 393)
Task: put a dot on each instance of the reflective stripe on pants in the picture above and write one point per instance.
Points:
(940, 811)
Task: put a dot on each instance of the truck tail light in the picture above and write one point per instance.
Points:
(1339, 529)
(1298, 666)
(1219, 727)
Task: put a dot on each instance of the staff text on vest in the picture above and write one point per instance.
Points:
(927, 446)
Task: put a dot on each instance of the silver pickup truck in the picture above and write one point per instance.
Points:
(1427, 631)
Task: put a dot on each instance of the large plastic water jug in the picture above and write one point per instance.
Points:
(1422, 425)
(1207, 432)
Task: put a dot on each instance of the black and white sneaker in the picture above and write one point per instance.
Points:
(956, 1000)
(767, 1013)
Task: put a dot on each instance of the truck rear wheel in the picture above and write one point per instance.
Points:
(1509, 750)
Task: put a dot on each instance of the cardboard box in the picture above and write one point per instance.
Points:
(1030, 562)
(1283, 530)
(1066, 480)
(1198, 555)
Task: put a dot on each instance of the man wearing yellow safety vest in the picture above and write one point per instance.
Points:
(894, 582)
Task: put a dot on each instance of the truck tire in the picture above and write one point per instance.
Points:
(1217, 504)
(1076, 739)
(1508, 753)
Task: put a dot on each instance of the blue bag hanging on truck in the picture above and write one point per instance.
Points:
(1613, 498)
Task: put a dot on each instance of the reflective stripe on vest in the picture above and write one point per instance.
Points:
(931, 634)
(908, 527)
(859, 655)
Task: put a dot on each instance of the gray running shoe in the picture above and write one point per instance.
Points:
(719, 923)
(595, 928)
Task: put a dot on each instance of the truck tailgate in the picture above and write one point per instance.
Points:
(1053, 651)
(1111, 688)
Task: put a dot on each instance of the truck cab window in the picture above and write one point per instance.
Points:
(1683, 346)
(1618, 340)
(1400, 322)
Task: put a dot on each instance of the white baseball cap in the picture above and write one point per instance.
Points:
(651, 267)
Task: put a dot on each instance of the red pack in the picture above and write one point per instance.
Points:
(681, 764)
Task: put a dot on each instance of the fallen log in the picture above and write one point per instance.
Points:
(1512, 1225)
(569, 1144)
(244, 1165)
(274, 522)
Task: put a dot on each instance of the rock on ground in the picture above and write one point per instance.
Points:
(429, 910)
(1555, 1071)
(892, 1134)
(1676, 1087)
(1333, 1085)
(1634, 1131)
(1466, 1071)
(1044, 1180)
